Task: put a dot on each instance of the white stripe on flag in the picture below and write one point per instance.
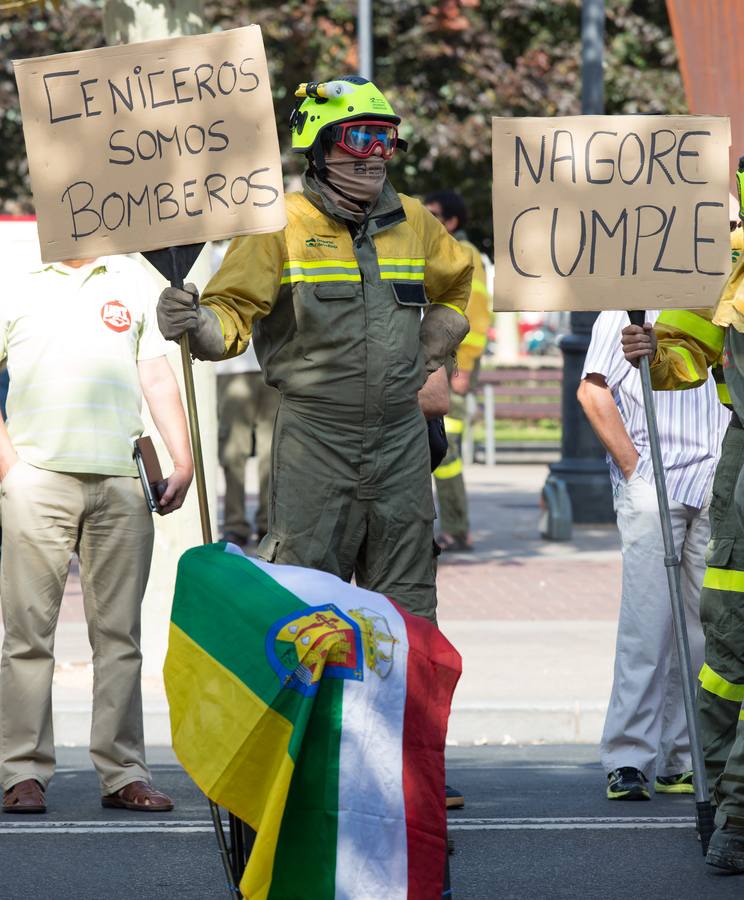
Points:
(371, 848)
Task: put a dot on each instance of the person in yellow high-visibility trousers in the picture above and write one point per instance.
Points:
(449, 208)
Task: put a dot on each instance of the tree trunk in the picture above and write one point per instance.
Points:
(130, 21)
(124, 22)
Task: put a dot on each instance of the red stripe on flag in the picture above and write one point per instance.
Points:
(433, 669)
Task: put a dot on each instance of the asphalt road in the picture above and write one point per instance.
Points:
(536, 827)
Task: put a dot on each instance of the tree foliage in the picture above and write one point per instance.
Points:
(447, 67)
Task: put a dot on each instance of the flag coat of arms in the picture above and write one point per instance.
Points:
(316, 712)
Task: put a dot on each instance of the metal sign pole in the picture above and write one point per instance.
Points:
(703, 810)
(174, 263)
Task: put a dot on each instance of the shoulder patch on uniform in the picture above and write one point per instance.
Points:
(321, 242)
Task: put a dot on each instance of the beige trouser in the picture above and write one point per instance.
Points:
(45, 517)
(246, 406)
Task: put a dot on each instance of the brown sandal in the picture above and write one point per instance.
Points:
(25, 797)
(138, 796)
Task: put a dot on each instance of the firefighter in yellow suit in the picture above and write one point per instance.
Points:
(683, 344)
(351, 307)
(449, 208)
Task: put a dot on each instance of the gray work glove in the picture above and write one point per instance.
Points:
(179, 313)
(442, 331)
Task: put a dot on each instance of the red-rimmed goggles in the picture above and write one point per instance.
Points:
(361, 138)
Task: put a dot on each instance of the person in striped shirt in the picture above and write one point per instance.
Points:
(645, 734)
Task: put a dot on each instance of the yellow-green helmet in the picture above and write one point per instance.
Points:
(332, 102)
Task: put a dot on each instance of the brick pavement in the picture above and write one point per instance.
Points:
(518, 604)
(513, 575)
(530, 589)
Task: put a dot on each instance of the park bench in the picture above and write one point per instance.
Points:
(525, 393)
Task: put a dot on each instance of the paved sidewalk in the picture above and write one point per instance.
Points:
(533, 620)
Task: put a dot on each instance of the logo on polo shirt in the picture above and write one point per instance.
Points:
(116, 316)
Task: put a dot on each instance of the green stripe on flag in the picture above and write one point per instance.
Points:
(306, 853)
(243, 595)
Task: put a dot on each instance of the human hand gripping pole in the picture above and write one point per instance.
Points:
(703, 810)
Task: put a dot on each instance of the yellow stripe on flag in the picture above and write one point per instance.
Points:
(245, 766)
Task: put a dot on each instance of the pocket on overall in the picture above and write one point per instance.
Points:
(340, 290)
(410, 293)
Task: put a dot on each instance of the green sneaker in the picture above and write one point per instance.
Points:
(627, 783)
(674, 784)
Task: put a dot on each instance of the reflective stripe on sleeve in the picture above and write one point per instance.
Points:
(716, 684)
(687, 359)
(449, 306)
(453, 425)
(474, 340)
(690, 323)
(450, 470)
(724, 580)
(295, 270)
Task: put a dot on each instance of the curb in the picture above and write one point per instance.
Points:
(497, 723)
(473, 724)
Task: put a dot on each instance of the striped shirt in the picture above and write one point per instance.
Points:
(691, 422)
(73, 338)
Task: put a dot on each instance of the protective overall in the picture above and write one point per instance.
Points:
(453, 504)
(689, 342)
(335, 308)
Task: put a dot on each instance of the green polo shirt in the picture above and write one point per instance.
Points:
(73, 338)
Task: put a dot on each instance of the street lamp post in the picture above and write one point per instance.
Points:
(582, 466)
(364, 32)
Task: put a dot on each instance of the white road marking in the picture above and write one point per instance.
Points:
(598, 823)
(169, 826)
(197, 826)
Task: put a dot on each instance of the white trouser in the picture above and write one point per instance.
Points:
(645, 725)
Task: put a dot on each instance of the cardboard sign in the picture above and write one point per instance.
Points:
(151, 145)
(610, 212)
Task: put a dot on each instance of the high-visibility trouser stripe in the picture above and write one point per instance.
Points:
(687, 358)
(716, 684)
(690, 323)
(474, 340)
(453, 425)
(449, 470)
(724, 395)
(724, 580)
(741, 715)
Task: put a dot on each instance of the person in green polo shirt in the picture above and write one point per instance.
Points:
(82, 348)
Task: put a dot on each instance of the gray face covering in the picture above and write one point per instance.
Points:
(354, 184)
